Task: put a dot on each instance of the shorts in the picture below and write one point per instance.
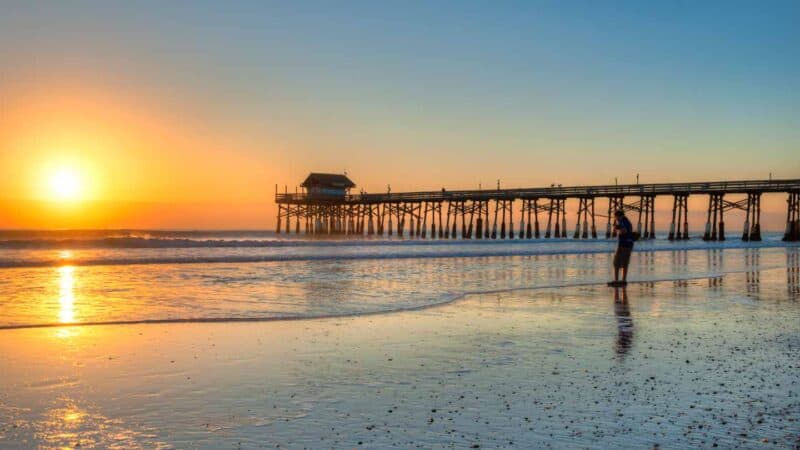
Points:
(623, 256)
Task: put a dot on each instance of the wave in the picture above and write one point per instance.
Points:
(498, 249)
(180, 240)
(167, 243)
(141, 242)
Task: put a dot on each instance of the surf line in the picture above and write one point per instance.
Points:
(13, 264)
(452, 298)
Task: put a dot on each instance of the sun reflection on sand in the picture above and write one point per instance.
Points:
(70, 425)
(66, 295)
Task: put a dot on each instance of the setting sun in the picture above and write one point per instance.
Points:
(65, 184)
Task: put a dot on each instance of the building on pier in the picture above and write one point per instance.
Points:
(319, 185)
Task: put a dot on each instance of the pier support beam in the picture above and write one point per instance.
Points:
(557, 227)
(389, 221)
(439, 219)
(511, 219)
(494, 224)
(503, 221)
(585, 214)
(683, 211)
(752, 219)
(447, 221)
(581, 206)
(486, 233)
(473, 207)
(792, 233)
(526, 209)
(715, 224)
(278, 225)
(646, 223)
(614, 204)
(479, 221)
(529, 220)
(557, 206)
(424, 226)
(465, 225)
(370, 220)
(676, 202)
(452, 232)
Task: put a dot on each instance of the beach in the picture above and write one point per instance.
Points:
(398, 225)
(534, 352)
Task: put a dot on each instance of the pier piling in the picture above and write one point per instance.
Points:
(792, 233)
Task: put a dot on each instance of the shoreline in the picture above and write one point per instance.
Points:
(453, 299)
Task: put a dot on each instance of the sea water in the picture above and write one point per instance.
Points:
(97, 277)
(402, 343)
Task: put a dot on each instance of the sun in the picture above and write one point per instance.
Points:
(65, 184)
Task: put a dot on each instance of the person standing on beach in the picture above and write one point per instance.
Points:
(622, 257)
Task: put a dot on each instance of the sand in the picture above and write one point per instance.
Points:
(698, 363)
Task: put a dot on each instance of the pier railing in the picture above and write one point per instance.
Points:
(692, 188)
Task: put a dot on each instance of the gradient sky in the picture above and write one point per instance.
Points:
(186, 115)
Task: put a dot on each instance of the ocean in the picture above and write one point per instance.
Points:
(251, 340)
(52, 278)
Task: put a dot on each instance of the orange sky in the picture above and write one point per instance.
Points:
(139, 166)
(144, 164)
(191, 123)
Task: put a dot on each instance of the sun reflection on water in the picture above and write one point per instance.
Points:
(67, 332)
(66, 295)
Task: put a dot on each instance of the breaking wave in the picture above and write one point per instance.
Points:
(147, 250)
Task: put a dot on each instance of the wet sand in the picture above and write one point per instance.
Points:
(675, 364)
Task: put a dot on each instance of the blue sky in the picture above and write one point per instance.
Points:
(455, 93)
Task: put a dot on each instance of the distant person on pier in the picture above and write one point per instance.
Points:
(622, 257)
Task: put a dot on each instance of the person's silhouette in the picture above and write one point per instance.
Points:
(624, 321)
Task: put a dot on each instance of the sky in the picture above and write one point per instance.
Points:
(187, 114)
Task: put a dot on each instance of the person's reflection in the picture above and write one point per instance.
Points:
(624, 321)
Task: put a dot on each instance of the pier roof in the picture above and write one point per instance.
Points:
(329, 180)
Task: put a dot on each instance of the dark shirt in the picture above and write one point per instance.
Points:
(625, 232)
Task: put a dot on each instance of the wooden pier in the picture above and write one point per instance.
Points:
(327, 207)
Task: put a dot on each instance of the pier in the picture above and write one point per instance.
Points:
(328, 207)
